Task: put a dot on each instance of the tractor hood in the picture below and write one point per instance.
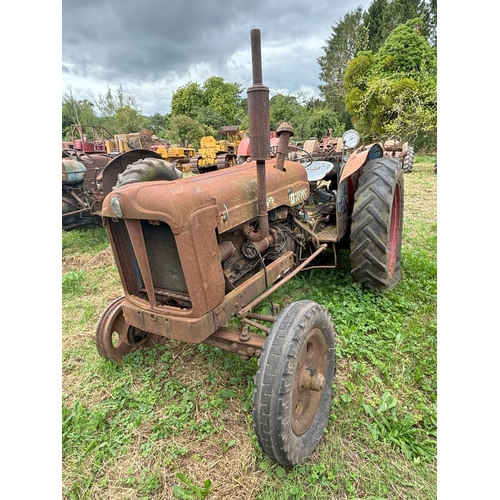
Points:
(232, 193)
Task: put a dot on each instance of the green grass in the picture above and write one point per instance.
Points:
(174, 421)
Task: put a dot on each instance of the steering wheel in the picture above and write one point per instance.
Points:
(294, 149)
(72, 153)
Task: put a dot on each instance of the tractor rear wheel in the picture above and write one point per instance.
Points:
(293, 385)
(377, 225)
(115, 338)
(408, 160)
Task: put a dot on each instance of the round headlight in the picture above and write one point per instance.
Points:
(115, 206)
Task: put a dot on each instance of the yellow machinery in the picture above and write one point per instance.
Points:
(214, 154)
(177, 155)
(124, 142)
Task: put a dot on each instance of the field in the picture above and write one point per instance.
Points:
(174, 421)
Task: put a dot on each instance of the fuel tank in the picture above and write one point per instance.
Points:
(231, 193)
(73, 172)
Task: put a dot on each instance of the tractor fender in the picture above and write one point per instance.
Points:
(348, 183)
(362, 155)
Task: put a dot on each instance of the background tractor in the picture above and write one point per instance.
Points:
(217, 154)
(83, 186)
(195, 252)
(91, 149)
(394, 147)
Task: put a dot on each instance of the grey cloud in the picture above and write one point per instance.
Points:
(147, 44)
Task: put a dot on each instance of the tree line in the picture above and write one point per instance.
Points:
(378, 74)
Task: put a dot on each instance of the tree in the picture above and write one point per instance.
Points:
(394, 92)
(321, 120)
(406, 52)
(284, 108)
(128, 120)
(348, 37)
(156, 124)
(109, 105)
(210, 117)
(430, 20)
(183, 130)
(223, 98)
(186, 99)
(76, 112)
(215, 104)
(383, 16)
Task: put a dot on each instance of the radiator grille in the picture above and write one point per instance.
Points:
(150, 262)
(163, 257)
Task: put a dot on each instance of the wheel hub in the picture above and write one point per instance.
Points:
(309, 382)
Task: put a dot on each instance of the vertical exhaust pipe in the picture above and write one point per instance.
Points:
(258, 121)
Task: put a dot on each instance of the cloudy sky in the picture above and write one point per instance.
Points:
(153, 47)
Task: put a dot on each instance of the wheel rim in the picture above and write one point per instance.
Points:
(308, 381)
(115, 336)
(394, 234)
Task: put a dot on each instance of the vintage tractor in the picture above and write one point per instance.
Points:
(83, 186)
(394, 147)
(81, 190)
(195, 252)
(243, 152)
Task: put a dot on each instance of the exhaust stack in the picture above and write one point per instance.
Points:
(258, 121)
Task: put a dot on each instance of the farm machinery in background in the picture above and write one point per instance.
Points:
(96, 139)
(394, 147)
(197, 257)
(178, 155)
(216, 154)
(84, 159)
(243, 151)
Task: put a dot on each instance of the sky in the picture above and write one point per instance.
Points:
(154, 47)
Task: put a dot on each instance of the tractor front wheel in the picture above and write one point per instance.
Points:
(293, 385)
(115, 338)
(377, 225)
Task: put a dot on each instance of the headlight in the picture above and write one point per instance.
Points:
(115, 206)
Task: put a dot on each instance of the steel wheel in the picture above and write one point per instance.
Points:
(293, 386)
(114, 337)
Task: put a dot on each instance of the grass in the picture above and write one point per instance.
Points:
(174, 421)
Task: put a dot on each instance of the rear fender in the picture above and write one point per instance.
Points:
(349, 181)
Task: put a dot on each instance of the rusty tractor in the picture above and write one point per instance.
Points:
(195, 252)
(83, 186)
(394, 147)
